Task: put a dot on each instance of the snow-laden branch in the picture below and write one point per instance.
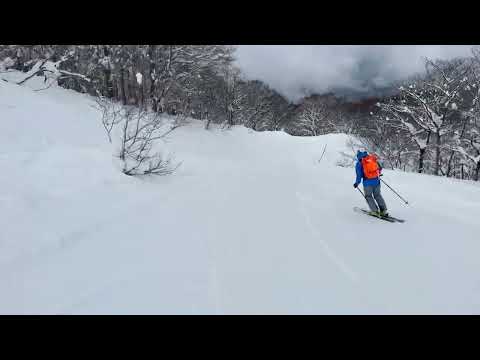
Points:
(45, 67)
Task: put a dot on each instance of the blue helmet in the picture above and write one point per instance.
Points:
(361, 154)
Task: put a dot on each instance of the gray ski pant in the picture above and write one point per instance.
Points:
(372, 194)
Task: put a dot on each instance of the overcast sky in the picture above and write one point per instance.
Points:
(291, 68)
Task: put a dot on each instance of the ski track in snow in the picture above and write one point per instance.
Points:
(336, 259)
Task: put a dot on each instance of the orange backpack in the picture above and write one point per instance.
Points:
(370, 166)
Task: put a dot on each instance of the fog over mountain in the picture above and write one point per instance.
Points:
(349, 70)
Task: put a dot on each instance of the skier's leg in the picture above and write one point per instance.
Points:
(369, 198)
(379, 198)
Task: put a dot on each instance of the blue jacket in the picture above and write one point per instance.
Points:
(359, 170)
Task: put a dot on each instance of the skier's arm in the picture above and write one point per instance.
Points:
(359, 171)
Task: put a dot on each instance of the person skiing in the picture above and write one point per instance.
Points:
(369, 170)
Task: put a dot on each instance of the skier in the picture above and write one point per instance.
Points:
(369, 170)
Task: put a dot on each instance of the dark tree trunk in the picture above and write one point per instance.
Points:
(107, 83)
(449, 167)
(151, 52)
(420, 160)
(133, 87)
(477, 172)
(107, 77)
(437, 153)
(141, 95)
(122, 86)
(422, 155)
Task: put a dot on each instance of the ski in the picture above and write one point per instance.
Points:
(386, 218)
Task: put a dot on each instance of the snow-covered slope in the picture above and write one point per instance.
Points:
(250, 223)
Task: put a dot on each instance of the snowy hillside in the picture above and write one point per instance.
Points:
(251, 223)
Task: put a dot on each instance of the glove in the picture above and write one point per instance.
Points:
(355, 185)
(381, 175)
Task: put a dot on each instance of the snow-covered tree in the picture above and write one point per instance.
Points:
(313, 118)
(427, 110)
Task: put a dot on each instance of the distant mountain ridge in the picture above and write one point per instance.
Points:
(350, 100)
(350, 94)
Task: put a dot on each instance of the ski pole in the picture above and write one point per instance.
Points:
(325, 148)
(406, 202)
(360, 192)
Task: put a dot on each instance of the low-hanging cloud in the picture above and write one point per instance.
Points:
(296, 70)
